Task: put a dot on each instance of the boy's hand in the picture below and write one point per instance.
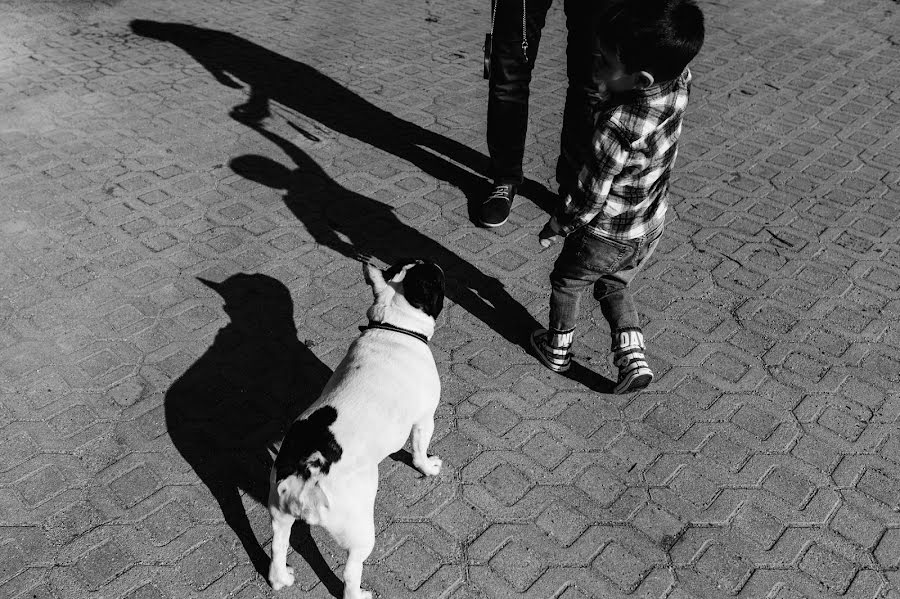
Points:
(550, 234)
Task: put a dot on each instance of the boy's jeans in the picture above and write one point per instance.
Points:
(607, 264)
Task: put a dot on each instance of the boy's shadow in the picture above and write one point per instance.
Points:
(355, 225)
(232, 406)
(272, 77)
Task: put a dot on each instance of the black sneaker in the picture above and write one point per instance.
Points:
(495, 209)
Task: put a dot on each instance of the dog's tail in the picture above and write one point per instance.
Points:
(312, 499)
(310, 503)
(301, 493)
(306, 456)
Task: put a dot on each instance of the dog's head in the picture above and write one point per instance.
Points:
(406, 292)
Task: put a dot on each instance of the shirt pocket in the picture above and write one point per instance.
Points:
(603, 255)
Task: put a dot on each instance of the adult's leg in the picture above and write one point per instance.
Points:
(581, 93)
(508, 88)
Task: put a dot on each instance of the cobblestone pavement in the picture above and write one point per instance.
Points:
(174, 285)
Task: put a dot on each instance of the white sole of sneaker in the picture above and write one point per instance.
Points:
(494, 225)
(636, 381)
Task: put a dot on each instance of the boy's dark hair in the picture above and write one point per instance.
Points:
(657, 36)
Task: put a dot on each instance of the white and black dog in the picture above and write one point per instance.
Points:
(387, 385)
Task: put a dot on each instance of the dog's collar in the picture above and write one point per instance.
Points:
(389, 327)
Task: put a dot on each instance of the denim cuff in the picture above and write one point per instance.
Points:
(627, 339)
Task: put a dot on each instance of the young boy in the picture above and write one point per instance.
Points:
(613, 218)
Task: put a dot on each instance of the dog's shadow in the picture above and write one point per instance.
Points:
(230, 409)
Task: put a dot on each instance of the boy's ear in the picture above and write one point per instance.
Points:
(374, 277)
(643, 80)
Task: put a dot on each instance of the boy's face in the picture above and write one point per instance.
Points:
(610, 73)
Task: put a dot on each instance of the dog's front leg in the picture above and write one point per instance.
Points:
(280, 575)
(421, 437)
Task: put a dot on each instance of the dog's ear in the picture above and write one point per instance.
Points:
(374, 277)
(396, 269)
(423, 288)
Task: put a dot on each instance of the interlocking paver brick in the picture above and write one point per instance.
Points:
(207, 563)
(728, 570)
(835, 572)
(102, 563)
(413, 564)
(562, 523)
(662, 527)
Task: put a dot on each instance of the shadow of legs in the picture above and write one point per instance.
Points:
(303, 543)
(594, 381)
(236, 517)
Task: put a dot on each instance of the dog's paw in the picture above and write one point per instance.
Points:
(429, 466)
(279, 580)
(358, 594)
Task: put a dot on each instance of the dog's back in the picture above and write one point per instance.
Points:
(366, 392)
(385, 383)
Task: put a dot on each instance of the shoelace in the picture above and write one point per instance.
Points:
(501, 192)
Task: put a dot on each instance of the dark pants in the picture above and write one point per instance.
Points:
(507, 119)
(607, 264)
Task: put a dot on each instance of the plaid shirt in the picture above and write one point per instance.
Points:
(621, 190)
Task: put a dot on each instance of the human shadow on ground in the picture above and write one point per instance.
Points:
(355, 225)
(594, 381)
(233, 60)
(232, 406)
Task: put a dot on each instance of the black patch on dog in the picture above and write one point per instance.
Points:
(303, 439)
(423, 285)
(423, 288)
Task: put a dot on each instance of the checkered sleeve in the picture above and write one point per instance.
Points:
(609, 155)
